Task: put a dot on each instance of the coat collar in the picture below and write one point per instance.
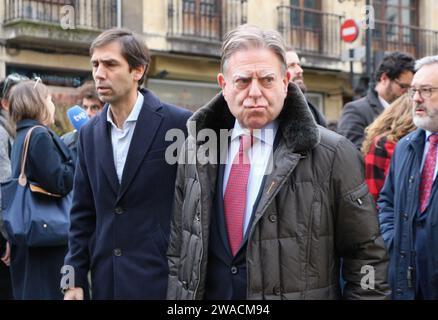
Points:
(27, 123)
(373, 99)
(416, 141)
(152, 102)
(296, 124)
(149, 120)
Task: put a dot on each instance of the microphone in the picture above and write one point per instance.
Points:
(77, 116)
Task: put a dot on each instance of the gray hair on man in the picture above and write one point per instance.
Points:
(248, 36)
(425, 62)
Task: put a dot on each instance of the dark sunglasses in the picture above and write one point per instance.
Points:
(10, 81)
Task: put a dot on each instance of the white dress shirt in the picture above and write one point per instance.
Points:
(383, 102)
(121, 138)
(258, 155)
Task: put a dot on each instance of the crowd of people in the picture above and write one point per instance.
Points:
(282, 208)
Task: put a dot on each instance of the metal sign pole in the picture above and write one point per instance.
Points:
(368, 46)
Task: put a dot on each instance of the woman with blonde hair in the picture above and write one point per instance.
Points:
(35, 271)
(380, 140)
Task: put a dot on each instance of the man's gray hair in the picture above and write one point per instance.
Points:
(425, 62)
(246, 37)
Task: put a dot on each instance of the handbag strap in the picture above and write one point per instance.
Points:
(22, 179)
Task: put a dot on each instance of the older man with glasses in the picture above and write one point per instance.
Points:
(408, 201)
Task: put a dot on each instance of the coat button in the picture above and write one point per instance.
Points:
(405, 216)
(273, 218)
(234, 270)
(399, 292)
(119, 210)
(118, 252)
(277, 291)
(402, 254)
(185, 285)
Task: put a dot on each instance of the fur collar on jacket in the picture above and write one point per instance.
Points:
(296, 124)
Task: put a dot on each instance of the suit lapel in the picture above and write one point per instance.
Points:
(105, 150)
(145, 130)
(374, 101)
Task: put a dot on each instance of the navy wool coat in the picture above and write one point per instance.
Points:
(120, 231)
(35, 272)
(400, 220)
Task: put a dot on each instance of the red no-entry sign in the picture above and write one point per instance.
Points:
(349, 30)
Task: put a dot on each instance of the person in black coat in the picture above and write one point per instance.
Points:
(36, 271)
(124, 187)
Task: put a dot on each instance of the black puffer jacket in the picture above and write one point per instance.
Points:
(315, 209)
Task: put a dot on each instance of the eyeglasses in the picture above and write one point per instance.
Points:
(402, 85)
(425, 93)
(10, 81)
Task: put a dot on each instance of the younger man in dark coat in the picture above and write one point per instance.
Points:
(124, 187)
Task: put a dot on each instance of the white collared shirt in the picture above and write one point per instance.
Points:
(121, 138)
(426, 148)
(383, 102)
(258, 155)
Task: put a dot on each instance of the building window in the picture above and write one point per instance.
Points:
(396, 21)
(201, 18)
(305, 14)
(188, 94)
(309, 30)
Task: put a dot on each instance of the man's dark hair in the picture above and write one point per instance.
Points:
(88, 91)
(395, 64)
(134, 49)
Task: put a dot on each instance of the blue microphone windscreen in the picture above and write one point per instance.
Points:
(77, 116)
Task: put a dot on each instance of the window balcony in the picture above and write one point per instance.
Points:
(411, 39)
(198, 26)
(56, 25)
(312, 33)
